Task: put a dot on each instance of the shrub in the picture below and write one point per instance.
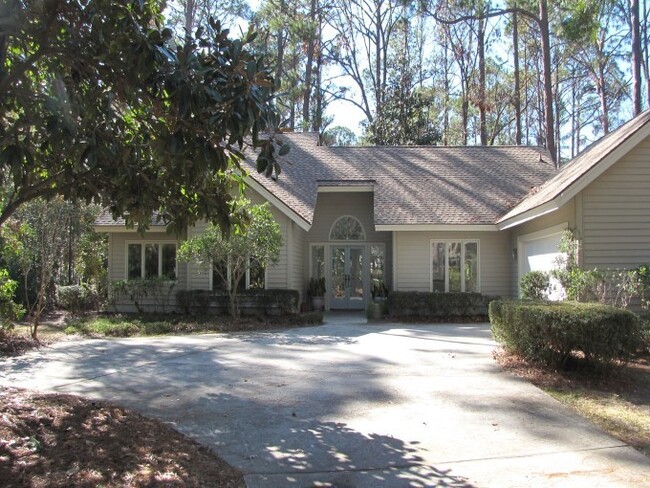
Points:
(9, 310)
(535, 285)
(551, 333)
(262, 302)
(436, 306)
(77, 298)
(197, 301)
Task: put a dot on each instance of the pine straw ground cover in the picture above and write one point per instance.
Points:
(52, 440)
(618, 402)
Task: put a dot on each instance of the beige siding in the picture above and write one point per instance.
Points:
(297, 277)
(414, 260)
(200, 277)
(616, 213)
(329, 208)
(276, 276)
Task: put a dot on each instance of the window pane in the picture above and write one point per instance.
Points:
(151, 260)
(219, 276)
(377, 266)
(169, 261)
(438, 267)
(347, 229)
(471, 267)
(135, 261)
(454, 256)
(256, 276)
(317, 261)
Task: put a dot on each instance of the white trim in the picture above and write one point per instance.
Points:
(279, 204)
(346, 189)
(534, 236)
(534, 213)
(438, 227)
(122, 228)
(394, 263)
(582, 181)
(463, 242)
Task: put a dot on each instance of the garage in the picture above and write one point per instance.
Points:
(539, 252)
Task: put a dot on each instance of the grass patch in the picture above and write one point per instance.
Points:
(152, 325)
(618, 402)
(612, 413)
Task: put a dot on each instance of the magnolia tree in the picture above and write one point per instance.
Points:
(255, 242)
(99, 102)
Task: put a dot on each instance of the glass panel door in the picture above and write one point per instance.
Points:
(348, 288)
(355, 277)
(339, 280)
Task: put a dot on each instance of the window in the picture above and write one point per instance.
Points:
(347, 228)
(454, 266)
(317, 261)
(151, 260)
(255, 277)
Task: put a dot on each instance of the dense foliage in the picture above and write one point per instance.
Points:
(252, 302)
(232, 254)
(553, 333)
(437, 306)
(99, 102)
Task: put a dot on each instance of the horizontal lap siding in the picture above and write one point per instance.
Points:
(616, 214)
(276, 275)
(297, 278)
(199, 276)
(495, 260)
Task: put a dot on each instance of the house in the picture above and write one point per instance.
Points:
(434, 218)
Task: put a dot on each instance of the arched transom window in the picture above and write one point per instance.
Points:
(347, 228)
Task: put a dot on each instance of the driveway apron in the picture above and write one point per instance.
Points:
(346, 404)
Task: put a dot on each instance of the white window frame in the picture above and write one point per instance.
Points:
(463, 242)
(143, 244)
(247, 278)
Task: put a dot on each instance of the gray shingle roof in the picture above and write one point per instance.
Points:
(578, 167)
(105, 218)
(413, 185)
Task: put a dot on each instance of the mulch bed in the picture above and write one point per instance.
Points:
(52, 440)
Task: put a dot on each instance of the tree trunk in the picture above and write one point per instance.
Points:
(549, 125)
(280, 51)
(517, 95)
(311, 45)
(481, 80)
(636, 56)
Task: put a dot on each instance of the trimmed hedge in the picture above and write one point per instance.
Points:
(251, 302)
(551, 333)
(437, 306)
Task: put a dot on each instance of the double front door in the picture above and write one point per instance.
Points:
(348, 272)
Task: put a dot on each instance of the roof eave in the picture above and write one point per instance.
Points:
(437, 227)
(572, 189)
(279, 204)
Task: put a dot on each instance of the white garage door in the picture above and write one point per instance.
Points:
(540, 253)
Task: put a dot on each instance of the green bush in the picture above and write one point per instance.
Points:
(437, 306)
(77, 298)
(251, 302)
(551, 333)
(194, 301)
(9, 310)
(535, 285)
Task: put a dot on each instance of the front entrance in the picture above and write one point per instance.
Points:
(348, 272)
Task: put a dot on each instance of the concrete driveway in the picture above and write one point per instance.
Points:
(346, 405)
